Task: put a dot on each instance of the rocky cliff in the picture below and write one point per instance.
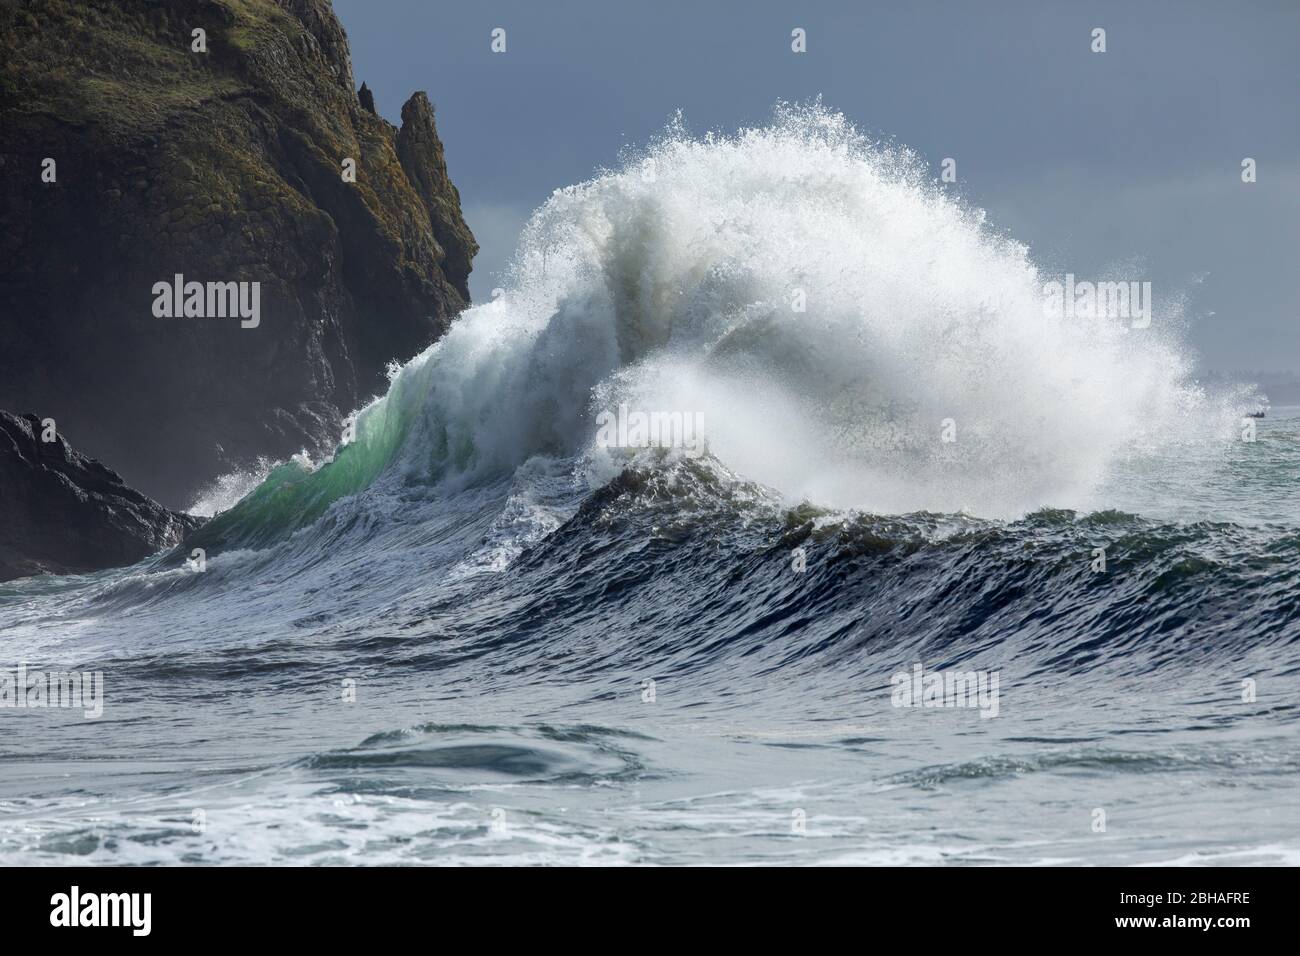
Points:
(134, 149)
(65, 513)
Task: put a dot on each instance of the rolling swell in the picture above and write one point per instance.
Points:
(881, 592)
(682, 570)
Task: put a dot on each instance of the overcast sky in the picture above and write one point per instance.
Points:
(1092, 159)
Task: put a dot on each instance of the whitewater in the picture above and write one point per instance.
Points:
(477, 633)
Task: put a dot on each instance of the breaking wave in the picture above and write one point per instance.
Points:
(851, 334)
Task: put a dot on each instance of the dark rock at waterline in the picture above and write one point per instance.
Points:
(221, 166)
(64, 513)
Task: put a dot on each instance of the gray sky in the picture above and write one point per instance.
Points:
(1132, 155)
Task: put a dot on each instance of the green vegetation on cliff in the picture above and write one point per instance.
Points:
(220, 165)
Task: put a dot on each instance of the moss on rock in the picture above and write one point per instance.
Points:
(225, 166)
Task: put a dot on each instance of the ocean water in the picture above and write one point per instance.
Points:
(477, 635)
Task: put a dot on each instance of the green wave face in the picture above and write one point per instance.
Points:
(294, 494)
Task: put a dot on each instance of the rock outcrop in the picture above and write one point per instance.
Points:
(65, 513)
(129, 156)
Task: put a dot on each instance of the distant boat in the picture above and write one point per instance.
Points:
(1254, 414)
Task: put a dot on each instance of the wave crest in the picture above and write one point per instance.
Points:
(832, 314)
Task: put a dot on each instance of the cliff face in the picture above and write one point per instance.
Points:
(224, 166)
(65, 513)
